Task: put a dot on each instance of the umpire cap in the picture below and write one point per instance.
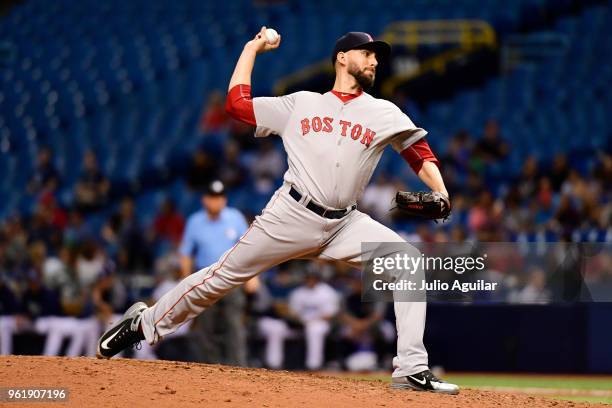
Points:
(356, 40)
(216, 188)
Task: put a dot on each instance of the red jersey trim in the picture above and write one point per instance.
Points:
(345, 97)
(417, 154)
(239, 104)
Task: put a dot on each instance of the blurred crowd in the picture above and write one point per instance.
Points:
(64, 278)
(59, 290)
(554, 197)
(545, 201)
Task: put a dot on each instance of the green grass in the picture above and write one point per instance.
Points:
(559, 383)
(519, 381)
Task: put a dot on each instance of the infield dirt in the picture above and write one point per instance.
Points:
(131, 383)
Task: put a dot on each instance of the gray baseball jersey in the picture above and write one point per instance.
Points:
(333, 148)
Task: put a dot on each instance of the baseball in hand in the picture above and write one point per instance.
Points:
(271, 35)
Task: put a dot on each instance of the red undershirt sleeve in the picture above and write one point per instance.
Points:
(239, 104)
(417, 154)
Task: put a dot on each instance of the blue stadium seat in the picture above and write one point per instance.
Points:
(129, 79)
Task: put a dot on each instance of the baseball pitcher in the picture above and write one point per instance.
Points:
(333, 143)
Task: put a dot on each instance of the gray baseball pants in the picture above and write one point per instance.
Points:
(287, 230)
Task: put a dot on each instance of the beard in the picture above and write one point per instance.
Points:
(363, 79)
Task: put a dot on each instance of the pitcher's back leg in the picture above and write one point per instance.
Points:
(346, 246)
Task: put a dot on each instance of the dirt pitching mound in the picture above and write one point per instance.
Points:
(131, 383)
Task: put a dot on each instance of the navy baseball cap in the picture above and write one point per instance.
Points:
(356, 40)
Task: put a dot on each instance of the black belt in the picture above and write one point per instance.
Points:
(317, 209)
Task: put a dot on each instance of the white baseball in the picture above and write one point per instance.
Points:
(271, 35)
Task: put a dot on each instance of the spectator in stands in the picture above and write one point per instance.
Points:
(124, 238)
(534, 291)
(208, 234)
(314, 305)
(81, 334)
(43, 227)
(545, 192)
(575, 186)
(52, 212)
(422, 233)
(45, 177)
(83, 264)
(168, 224)
(543, 202)
(168, 273)
(4, 240)
(458, 234)
(484, 217)
(37, 255)
(492, 147)
(474, 184)
(89, 263)
(55, 271)
(91, 190)
(516, 217)
(440, 237)
(586, 194)
(108, 293)
(267, 167)
(11, 320)
(201, 171)
(567, 217)
(214, 117)
(232, 172)
(456, 161)
(366, 336)
(273, 311)
(602, 174)
(242, 134)
(77, 230)
(59, 270)
(528, 180)
(460, 210)
(43, 308)
(15, 249)
(460, 149)
(377, 198)
(592, 214)
(559, 172)
(61, 274)
(602, 171)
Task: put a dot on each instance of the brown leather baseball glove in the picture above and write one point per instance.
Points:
(422, 204)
